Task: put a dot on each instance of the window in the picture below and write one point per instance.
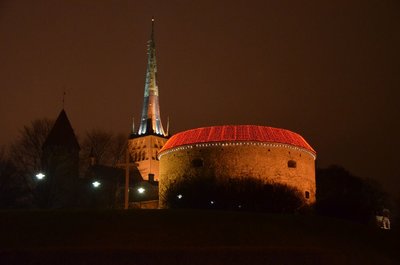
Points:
(307, 194)
(197, 162)
(292, 164)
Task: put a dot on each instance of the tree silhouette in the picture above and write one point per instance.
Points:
(106, 147)
(341, 194)
(249, 194)
(14, 193)
(26, 152)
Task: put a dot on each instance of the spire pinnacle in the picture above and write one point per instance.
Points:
(152, 30)
(150, 122)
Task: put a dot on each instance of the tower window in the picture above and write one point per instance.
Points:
(197, 162)
(292, 164)
(307, 194)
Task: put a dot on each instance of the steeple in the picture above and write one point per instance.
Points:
(150, 122)
(62, 134)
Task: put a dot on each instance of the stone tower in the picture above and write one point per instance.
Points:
(60, 162)
(145, 143)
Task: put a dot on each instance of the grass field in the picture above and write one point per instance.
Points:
(188, 237)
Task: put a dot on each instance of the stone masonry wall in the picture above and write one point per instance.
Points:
(267, 162)
(144, 151)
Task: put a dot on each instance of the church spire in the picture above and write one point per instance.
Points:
(150, 122)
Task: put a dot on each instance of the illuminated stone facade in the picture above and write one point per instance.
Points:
(271, 154)
(143, 151)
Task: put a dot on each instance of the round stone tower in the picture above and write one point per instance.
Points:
(271, 154)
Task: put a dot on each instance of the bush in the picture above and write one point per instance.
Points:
(248, 194)
(341, 194)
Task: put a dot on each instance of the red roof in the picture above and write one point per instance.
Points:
(233, 133)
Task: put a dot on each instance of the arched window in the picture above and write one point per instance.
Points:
(307, 194)
(292, 164)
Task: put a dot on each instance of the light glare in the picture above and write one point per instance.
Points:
(40, 176)
(96, 184)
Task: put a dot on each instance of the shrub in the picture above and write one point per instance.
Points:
(248, 194)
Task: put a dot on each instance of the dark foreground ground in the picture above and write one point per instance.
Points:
(189, 237)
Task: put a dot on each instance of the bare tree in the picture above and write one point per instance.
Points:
(14, 191)
(106, 148)
(26, 152)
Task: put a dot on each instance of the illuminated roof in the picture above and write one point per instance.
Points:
(237, 133)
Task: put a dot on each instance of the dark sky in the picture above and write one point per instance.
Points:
(329, 70)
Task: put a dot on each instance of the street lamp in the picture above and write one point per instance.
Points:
(141, 190)
(40, 176)
(96, 184)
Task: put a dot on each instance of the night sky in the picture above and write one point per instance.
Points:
(328, 70)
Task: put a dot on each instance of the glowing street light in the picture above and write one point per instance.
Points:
(180, 196)
(96, 184)
(141, 190)
(40, 176)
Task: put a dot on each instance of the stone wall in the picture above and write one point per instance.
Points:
(144, 151)
(271, 162)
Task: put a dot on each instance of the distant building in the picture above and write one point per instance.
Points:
(104, 187)
(60, 162)
(271, 154)
(145, 142)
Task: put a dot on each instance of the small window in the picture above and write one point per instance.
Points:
(307, 194)
(197, 162)
(291, 164)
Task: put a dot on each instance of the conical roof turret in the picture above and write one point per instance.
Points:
(62, 133)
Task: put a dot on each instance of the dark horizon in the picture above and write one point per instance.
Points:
(328, 71)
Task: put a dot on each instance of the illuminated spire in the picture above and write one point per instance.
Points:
(150, 122)
(168, 126)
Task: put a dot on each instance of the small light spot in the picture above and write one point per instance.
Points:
(96, 184)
